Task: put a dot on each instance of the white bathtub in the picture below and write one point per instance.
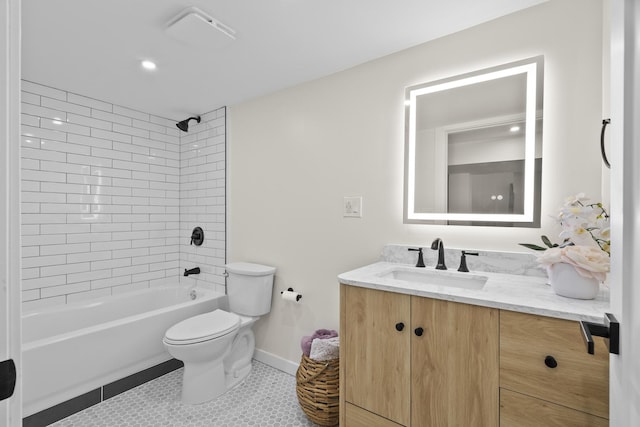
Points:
(72, 349)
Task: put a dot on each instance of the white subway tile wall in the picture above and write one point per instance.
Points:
(110, 195)
(202, 197)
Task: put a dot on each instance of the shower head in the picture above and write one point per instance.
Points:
(184, 125)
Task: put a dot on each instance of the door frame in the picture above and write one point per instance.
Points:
(10, 304)
(624, 376)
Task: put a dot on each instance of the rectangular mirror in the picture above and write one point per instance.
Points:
(473, 148)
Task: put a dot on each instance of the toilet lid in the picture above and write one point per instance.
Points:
(249, 269)
(203, 327)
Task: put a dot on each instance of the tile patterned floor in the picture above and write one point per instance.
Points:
(266, 399)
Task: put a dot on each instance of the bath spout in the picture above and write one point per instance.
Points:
(195, 270)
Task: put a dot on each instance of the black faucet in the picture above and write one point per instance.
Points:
(463, 261)
(192, 271)
(439, 246)
(420, 258)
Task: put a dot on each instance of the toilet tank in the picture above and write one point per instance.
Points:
(249, 287)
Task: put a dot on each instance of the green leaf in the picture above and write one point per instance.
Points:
(534, 247)
(546, 241)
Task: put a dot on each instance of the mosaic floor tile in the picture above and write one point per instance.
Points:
(267, 398)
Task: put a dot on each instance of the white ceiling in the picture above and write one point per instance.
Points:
(94, 47)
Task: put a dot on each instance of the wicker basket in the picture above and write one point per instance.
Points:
(317, 387)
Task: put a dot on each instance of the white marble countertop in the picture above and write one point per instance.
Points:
(526, 294)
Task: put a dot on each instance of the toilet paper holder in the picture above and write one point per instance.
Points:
(298, 297)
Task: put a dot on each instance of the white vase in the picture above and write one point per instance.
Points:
(567, 282)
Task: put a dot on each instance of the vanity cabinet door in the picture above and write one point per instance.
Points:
(454, 364)
(546, 358)
(375, 351)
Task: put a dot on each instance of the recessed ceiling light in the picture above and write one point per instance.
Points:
(514, 128)
(148, 65)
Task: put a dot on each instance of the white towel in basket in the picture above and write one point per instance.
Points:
(325, 349)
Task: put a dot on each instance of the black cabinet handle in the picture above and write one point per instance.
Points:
(419, 331)
(399, 326)
(550, 361)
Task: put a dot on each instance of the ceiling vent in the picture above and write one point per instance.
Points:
(192, 26)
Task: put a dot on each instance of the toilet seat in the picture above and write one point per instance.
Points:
(203, 327)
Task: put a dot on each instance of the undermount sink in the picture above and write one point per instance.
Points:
(436, 277)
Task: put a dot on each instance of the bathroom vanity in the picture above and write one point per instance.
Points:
(506, 352)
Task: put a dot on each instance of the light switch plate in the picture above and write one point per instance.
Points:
(352, 207)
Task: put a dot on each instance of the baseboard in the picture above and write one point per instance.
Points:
(277, 362)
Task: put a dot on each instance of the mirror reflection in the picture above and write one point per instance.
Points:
(473, 148)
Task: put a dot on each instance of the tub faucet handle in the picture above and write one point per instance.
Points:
(197, 236)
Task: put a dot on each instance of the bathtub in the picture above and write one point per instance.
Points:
(72, 349)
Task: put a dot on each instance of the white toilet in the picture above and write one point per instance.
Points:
(217, 347)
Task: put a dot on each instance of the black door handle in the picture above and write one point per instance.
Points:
(605, 122)
(399, 326)
(419, 331)
(7, 379)
(610, 331)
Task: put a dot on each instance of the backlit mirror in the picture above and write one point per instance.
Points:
(473, 148)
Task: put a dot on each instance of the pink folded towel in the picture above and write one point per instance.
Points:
(306, 341)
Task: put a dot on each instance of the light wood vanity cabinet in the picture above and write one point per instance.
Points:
(413, 361)
(544, 364)
(376, 355)
(468, 365)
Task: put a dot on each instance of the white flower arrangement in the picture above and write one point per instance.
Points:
(588, 261)
(585, 223)
(586, 245)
